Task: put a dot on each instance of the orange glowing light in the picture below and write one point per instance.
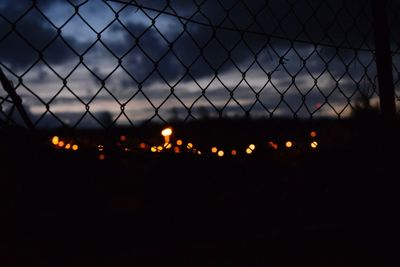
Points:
(221, 153)
(142, 145)
(273, 145)
(190, 145)
(55, 140)
(179, 142)
(166, 132)
(214, 149)
(75, 147)
(159, 148)
(314, 144)
(313, 134)
(61, 144)
(177, 149)
(122, 138)
(102, 157)
(168, 145)
(67, 146)
(249, 151)
(289, 144)
(234, 152)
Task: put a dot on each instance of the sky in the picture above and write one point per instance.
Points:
(221, 58)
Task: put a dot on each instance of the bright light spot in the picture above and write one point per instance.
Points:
(122, 138)
(314, 144)
(289, 144)
(252, 146)
(190, 145)
(61, 144)
(142, 145)
(166, 132)
(67, 146)
(100, 147)
(55, 140)
(220, 153)
(313, 134)
(214, 150)
(233, 152)
(159, 148)
(177, 149)
(153, 149)
(199, 152)
(102, 157)
(249, 151)
(75, 147)
(179, 142)
(127, 149)
(168, 146)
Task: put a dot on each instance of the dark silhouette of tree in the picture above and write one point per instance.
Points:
(105, 118)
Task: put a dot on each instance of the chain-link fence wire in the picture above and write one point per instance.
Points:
(99, 63)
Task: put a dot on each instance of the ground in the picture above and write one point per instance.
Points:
(336, 206)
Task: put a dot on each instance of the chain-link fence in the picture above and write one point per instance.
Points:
(99, 63)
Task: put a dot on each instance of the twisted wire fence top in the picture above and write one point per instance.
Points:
(99, 63)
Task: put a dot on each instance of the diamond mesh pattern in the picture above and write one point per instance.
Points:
(105, 63)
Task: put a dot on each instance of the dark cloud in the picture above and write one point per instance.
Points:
(25, 34)
(202, 50)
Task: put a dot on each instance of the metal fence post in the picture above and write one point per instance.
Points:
(383, 59)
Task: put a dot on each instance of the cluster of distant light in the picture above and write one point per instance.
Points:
(63, 144)
(179, 146)
(220, 152)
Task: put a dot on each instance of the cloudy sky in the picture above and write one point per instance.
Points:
(144, 60)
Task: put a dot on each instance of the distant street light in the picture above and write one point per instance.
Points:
(314, 144)
(166, 132)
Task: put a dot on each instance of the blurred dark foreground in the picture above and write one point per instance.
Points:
(336, 206)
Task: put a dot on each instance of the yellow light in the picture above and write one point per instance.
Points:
(249, 151)
(166, 132)
(75, 147)
(314, 144)
(122, 138)
(221, 153)
(214, 149)
(179, 142)
(190, 145)
(55, 140)
(289, 144)
(234, 152)
(100, 147)
(168, 146)
(313, 134)
(61, 144)
(153, 149)
(67, 146)
(159, 148)
(102, 157)
(252, 146)
(142, 145)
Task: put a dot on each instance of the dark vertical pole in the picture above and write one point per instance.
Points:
(383, 59)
